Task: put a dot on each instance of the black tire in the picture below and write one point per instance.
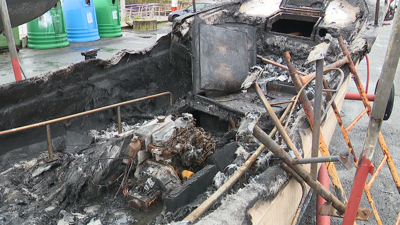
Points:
(390, 103)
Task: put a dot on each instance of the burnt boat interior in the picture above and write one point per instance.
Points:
(170, 155)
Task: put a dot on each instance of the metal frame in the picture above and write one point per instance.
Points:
(299, 82)
(48, 122)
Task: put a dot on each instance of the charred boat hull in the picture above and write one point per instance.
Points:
(204, 71)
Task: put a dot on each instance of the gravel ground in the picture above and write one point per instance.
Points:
(384, 191)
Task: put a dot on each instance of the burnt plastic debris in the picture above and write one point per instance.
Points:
(90, 54)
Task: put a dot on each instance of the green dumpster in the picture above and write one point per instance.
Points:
(108, 18)
(3, 40)
(48, 31)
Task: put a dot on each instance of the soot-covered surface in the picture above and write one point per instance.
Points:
(93, 84)
(64, 189)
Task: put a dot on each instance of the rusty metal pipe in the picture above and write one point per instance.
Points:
(376, 173)
(200, 210)
(358, 118)
(284, 114)
(341, 124)
(310, 116)
(356, 77)
(376, 117)
(280, 103)
(276, 121)
(311, 76)
(317, 116)
(390, 162)
(49, 144)
(334, 158)
(119, 119)
(80, 114)
(278, 64)
(295, 101)
(283, 155)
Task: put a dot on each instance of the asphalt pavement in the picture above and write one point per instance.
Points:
(384, 191)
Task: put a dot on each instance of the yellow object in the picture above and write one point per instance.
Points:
(186, 174)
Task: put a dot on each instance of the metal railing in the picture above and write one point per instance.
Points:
(149, 10)
(48, 122)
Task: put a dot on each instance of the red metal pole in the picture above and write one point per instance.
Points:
(5, 17)
(324, 180)
(357, 96)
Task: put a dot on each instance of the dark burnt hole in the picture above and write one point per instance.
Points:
(210, 122)
(87, 2)
(293, 27)
(322, 32)
(113, 2)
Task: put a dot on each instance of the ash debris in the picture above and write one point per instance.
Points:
(163, 154)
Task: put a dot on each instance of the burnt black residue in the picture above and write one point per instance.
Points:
(92, 84)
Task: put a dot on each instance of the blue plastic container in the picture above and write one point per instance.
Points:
(81, 21)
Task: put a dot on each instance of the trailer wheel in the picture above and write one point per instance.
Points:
(390, 103)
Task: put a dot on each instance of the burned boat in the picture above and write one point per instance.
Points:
(174, 156)
(23, 11)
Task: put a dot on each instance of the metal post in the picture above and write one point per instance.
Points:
(310, 116)
(316, 160)
(194, 5)
(5, 17)
(123, 10)
(49, 145)
(377, 8)
(283, 155)
(374, 126)
(119, 119)
(317, 115)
